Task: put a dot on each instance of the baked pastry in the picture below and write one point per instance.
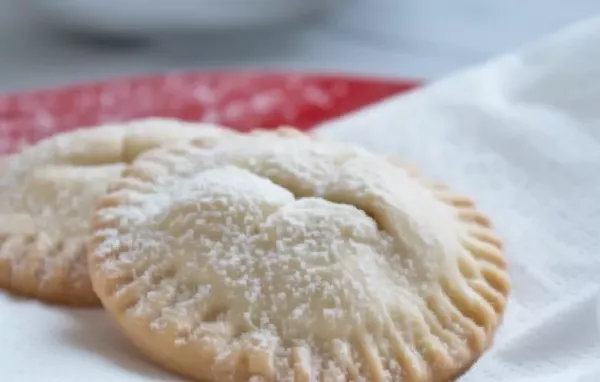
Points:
(271, 259)
(47, 196)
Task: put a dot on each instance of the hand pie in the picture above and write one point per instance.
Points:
(48, 194)
(268, 259)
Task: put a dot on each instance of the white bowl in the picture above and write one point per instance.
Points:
(147, 16)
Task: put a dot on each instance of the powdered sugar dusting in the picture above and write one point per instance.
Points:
(271, 239)
(49, 191)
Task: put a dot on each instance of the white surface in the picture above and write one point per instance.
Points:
(141, 16)
(422, 38)
(521, 136)
(61, 345)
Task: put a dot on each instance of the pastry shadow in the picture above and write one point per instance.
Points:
(92, 331)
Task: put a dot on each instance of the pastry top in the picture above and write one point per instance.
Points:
(295, 258)
(52, 186)
(48, 193)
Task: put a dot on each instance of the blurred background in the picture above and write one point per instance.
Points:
(46, 43)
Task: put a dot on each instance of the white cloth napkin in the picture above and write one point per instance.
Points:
(521, 134)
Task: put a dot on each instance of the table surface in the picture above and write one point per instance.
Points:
(398, 38)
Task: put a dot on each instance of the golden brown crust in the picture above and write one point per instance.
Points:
(486, 248)
(64, 283)
(468, 309)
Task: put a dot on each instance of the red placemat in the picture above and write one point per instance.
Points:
(239, 100)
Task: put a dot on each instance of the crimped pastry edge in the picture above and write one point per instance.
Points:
(467, 213)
